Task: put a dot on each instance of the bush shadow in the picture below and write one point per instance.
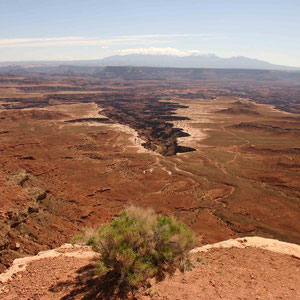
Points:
(87, 285)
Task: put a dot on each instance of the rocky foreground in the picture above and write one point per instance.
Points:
(244, 268)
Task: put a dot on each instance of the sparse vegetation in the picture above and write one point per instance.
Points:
(201, 260)
(140, 244)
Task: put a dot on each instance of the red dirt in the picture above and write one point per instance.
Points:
(57, 177)
(235, 274)
(232, 273)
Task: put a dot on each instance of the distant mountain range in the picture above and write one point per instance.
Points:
(191, 61)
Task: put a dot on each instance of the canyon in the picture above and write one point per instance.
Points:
(219, 150)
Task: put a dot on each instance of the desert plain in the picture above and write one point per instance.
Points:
(218, 152)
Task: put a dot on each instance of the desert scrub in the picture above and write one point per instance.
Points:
(140, 244)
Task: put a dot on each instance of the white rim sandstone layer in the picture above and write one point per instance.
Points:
(255, 242)
(68, 250)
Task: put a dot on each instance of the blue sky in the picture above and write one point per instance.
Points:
(90, 29)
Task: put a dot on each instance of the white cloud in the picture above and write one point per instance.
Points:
(62, 41)
(77, 40)
(160, 51)
(13, 42)
(170, 35)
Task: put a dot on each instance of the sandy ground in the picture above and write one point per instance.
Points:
(197, 114)
(94, 111)
(233, 269)
(234, 273)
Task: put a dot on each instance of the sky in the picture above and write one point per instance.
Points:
(93, 29)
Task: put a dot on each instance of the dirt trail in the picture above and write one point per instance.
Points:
(238, 153)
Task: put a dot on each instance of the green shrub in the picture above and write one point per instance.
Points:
(139, 245)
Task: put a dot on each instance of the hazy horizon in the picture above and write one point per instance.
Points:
(73, 30)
